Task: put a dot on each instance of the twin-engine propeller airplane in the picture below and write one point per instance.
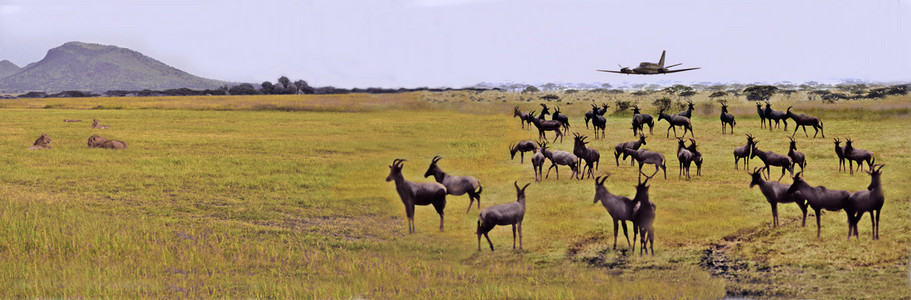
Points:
(649, 68)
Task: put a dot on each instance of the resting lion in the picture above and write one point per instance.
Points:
(96, 141)
(43, 142)
(95, 125)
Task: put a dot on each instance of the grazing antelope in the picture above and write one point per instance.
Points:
(522, 147)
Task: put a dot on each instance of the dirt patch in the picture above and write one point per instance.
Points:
(744, 278)
(595, 251)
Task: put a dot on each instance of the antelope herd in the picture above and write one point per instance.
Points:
(584, 161)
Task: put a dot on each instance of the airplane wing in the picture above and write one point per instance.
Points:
(609, 71)
(681, 70)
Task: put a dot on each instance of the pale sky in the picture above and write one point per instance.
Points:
(456, 43)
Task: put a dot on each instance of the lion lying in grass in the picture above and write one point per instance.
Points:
(96, 141)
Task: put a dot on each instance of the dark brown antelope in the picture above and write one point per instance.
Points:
(591, 156)
(859, 156)
(619, 208)
(675, 121)
(803, 121)
(537, 161)
(595, 111)
(644, 216)
(726, 118)
(639, 120)
(648, 157)
(685, 158)
(522, 147)
(761, 113)
(504, 214)
(775, 115)
(870, 200)
(634, 145)
(820, 198)
(770, 158)
(416, 193)
(744, 153)
(776, 192)
(456, 185)
(840, 152)
(796, 157)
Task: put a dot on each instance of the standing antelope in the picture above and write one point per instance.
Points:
(522, 116)
(869, 200)
(796, 157)
(504, 214)
(648, 157)
(744, 152)
(726, 118)
(857, 155)
(644, 216)
(761, 113)
(619, 208)
(840, 152)
(803, 121)
(775, 115)
(558, 157)
(675, 121)
(547, 125)
(634, 145)
(416, 193)
(688, 113)
(456, 185)
(685, 158)
(820, 198)
(640, 119)
(591, 156)
(770, 158)
(537, 161)
(557, 116)
(595, 111)
(776, 192)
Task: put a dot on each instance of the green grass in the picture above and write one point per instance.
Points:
(283, 196)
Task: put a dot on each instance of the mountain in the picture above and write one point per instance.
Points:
(99, 68)
(7, 68)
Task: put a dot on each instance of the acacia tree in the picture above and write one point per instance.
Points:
(760, 92)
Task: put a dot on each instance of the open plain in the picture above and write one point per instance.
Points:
(284, 197)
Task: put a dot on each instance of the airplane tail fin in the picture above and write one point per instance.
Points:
(661, 62)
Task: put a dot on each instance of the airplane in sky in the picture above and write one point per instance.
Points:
(649, 68)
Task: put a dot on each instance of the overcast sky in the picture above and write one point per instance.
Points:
(412, 43)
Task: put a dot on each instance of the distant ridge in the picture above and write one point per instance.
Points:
(98, 68)
(8, 68)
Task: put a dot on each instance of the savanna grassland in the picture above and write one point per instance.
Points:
(284, 196)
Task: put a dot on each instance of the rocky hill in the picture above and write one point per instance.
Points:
(98, 68)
